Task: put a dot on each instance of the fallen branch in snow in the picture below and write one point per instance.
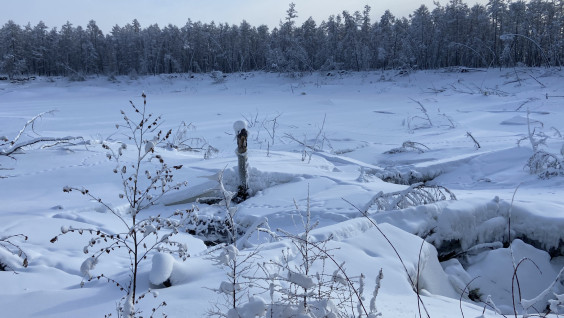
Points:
(30, 123)
(9, 148)
(547, 96)
(530, 99)
(13, 148)
(536, 80)
(476, 143)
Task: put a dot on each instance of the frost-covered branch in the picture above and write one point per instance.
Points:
(409, 146)
(7, 243)
(476, 143)
(427, 123)
(542, 163)
(238, 265)
(9, 147)
(12, 148)
(30, 123)
(417, 194)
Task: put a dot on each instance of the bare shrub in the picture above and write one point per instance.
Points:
(297, 288)
(419, 121)
(143, 185)
(182, 139)
(541, 163)
(311, 146)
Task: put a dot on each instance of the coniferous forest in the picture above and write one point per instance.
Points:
(499, 34)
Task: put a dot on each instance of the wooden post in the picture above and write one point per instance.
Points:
(240, 128)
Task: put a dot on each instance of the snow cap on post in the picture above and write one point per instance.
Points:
(239, 125)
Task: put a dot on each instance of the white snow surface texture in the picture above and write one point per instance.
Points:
(316, 142)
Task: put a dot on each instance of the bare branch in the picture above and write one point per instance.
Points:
(15, 147)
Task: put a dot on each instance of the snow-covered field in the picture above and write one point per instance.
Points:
(323, 140)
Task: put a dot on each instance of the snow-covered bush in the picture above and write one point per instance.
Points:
(426, 120)
(212, 229)
(8, 244)
(422, 121)
(557, 305)
(542, 163)
(297, 289)
(545, 164)
(238, 264)
(161, 269)
(417, 194)
(143, 184)
(182, 140)
(235, 288)
(409, 146)
(218, 77)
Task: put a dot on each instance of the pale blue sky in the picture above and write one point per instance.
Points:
(108, 13)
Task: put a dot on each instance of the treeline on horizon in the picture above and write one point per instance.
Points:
(500, 33)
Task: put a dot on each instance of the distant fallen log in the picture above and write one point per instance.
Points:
(11, 147)
(14, 148)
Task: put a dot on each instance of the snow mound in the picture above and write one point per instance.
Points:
(455, 227)
(494, 270)
(162, 268)
(239, 125)
(515, 120)
(255, 307)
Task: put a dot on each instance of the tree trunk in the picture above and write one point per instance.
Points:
(240, 128)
